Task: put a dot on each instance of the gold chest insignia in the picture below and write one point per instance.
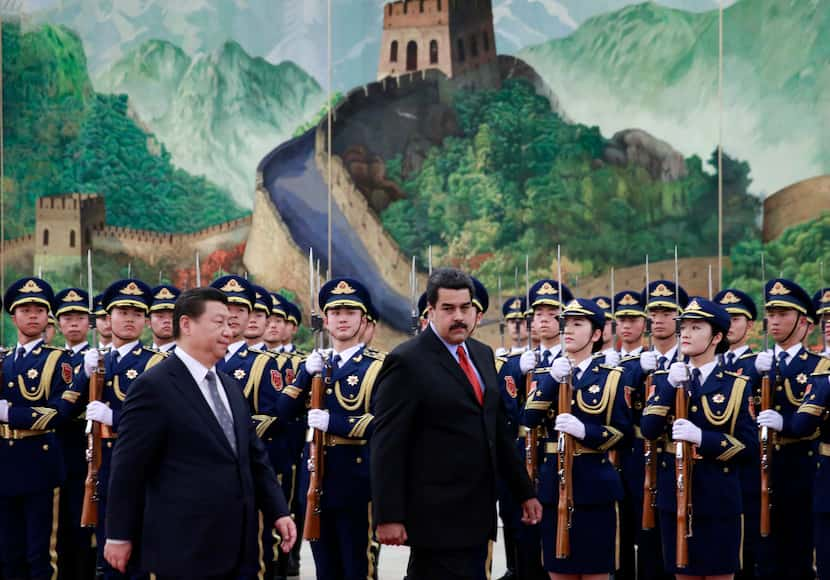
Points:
(352, 380)
(32, 373)
(801, 378)
(239, 374)
(594, 389)
(131, 374)
(719, 398)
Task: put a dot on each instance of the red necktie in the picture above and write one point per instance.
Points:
(471, 374)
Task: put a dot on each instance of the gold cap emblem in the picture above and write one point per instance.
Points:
(164, 294)
(603, 303)
(516, 304)
(628, 300)
(778, 289)
(730, 298)
(132, 289)
(693, 305)
(546, 289)
(72, 296)
(343, 288)
(30, 287)
(232, 285)
(825, 297)
(661, 290)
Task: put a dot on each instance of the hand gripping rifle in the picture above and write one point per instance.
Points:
(565, 449)
(765, 435)
(683, 454)
(650, 481)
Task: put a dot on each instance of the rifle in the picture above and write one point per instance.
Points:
(415, 316)
(532, 435)
(650, 481)
(311, 529)
(565, 450)
(765, 438)
(92, 495)
(682, 454)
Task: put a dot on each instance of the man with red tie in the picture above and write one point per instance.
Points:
(441, 440)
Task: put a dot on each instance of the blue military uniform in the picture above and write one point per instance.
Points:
(74, 542)
(742, 361)
(34, 378)
(347, 549)
(812, 417)
(719, 404)
(599, 403)
(785, 554)
(164, 299)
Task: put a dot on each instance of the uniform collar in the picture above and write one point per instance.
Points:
(78, 347)
(706, 370)
(740, 351)
(347, 354)
(125, 349)
(233, 348)
(792, 352)
(634, 352)
(554, 351)
(258, 346)
(670, 354)
(164, 347)
(29, 346)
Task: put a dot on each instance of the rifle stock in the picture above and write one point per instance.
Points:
(531, 438)
(766, 459)
(650, 480)
(311, 529)
(89, 510)
(683, 474)
(565, 457)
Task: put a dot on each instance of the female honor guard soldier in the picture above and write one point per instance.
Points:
(720, 428)
(600, 420)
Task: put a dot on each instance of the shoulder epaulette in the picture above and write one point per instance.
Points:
(747, 355)
(611, 367)
(375, 354)
(151, 351)
(630, 357)
(541, 371)
(821, 373)
(53, 347)
(736, 375)
(662, 372)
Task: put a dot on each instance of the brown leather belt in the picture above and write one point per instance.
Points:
(7, 432)
(335, 440)
(579, 449)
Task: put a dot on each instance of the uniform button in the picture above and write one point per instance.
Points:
(109, 444)
(778, 448)
(777, 407)
(726, 470)
(34, 414)
(359, 460)
(46, 447)
(663, 464)
(11, 384)
(328, 391)
(109, 383)
(779, 388)
(603, 460)
(809, 453)
(694, 408)
(11, 443)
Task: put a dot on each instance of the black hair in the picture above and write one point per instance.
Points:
(191, 303)
(448, 278)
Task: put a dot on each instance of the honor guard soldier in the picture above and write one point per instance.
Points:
(102, 323)
(513, 311)
(631, 322)
(35, 376)
(609, 350)
(258, 375)
(721, 432)
(258, 319)
(814, 416)
(51, 330)
(423, 311)
(372, 319)
(127, 303)
(821, 303)
(787, 552)
(75, 556)
(275, 328)
(161, 317)
(346, 549)
(293, 319)
(741, 360)
(598, 423)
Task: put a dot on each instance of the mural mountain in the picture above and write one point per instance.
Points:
(656, 68)
(218, 113)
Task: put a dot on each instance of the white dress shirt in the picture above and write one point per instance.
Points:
(199, 371)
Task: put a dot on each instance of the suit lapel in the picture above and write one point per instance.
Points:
(183, 380)
(444, 358)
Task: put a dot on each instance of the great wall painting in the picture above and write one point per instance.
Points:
(484, 131)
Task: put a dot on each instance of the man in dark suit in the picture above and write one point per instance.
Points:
(188, 471)
(440, 441)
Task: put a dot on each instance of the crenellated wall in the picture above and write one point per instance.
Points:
(795, 204)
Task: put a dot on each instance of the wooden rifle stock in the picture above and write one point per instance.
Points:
(92, 489)
(766, 459)
(683, 474)
(565, 458)
(531, 438)
(650, 480)
(311, 529)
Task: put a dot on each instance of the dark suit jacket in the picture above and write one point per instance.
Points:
(436, 452)
(199, 499)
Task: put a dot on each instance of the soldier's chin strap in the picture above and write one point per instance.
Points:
(795, 327)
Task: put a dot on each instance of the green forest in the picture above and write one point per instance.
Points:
(520, 180)
(60, 136)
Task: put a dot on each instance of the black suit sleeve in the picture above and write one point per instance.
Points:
(396, 408)
(269, 497)
(141, 435)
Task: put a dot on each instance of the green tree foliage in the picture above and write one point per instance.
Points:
(61, 137)
(520, 180)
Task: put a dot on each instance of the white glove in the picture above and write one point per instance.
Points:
(560, 368)
(98, 411)
(771, 419)
(4, 411)
(501, 351)
(314, 363)
(91, 361)
(612, 358)
(648, 361)
(678, 374)
(567, 423)
(318, 419)
(685, 430)
(527, 362)
(763, 362)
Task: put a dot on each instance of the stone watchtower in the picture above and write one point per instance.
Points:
(453, 36)
(64, 229)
